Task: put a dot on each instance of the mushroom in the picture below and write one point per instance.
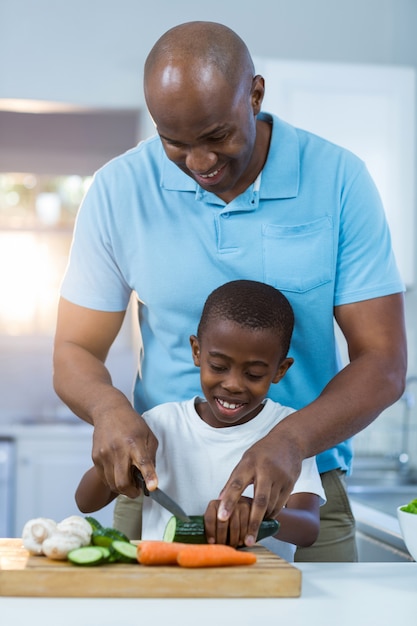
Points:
(44, 536)
(59, 544)
(35, 532)
(78, 526)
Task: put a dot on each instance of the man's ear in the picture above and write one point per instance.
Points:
(283, 368)
(257, 93)
(195, 350)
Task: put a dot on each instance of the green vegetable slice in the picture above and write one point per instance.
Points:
(126, 551)
(106, 552)
(106, 536)
(87, 555)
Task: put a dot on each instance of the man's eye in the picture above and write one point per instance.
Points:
(173, 144)
(218, 138)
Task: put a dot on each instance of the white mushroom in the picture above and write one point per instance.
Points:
(59, 544)
(78, 526)
(35, 531)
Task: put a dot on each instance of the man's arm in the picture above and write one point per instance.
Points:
(121, 437)
(373, 380)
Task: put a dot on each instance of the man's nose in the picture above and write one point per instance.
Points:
(200, 160)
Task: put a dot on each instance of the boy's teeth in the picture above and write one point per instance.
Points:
(228, 405)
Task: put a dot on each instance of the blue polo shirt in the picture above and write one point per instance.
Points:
(315, 229)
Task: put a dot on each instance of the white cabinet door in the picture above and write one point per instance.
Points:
(48, 471)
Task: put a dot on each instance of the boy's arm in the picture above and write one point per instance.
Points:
(92, 494)
(300, 519)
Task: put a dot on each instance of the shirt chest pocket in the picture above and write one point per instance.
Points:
(300, 257)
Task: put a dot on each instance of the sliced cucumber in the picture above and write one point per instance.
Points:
(106, 552)
(125, 551)
(106, 536)
(87, 555)
(193, 531)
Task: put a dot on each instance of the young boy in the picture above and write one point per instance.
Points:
(241, 349)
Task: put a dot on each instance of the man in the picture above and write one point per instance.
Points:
(226, 191)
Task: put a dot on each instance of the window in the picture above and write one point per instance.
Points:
(37, 214)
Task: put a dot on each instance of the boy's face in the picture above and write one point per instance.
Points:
(237, 367)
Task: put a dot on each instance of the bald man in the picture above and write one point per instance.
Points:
(226, 191)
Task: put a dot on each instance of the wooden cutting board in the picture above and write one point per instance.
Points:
(22, 574)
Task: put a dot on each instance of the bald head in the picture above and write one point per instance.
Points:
(198, 51)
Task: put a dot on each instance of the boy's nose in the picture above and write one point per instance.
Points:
(233, 383)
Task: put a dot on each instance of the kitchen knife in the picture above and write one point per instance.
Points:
(161, 497)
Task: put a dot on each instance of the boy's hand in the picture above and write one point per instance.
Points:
(234, 530)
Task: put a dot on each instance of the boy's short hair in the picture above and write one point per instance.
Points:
(251, 304)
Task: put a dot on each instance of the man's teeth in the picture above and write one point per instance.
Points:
(210, 175)
(228, 405)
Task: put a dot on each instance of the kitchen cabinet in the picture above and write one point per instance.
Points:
(50, 461)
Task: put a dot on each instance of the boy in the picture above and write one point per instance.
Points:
(241, 349)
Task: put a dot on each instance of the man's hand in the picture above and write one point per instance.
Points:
(272, 465)
(120, 442)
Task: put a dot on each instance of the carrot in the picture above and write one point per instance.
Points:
(213, 555)
(154, 552)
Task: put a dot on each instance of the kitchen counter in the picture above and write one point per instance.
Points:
(332, 593)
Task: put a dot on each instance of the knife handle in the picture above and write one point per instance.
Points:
(139, 480)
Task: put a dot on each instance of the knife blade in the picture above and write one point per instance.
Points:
(160, 497)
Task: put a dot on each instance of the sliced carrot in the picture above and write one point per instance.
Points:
(154, 552)
(213, 555)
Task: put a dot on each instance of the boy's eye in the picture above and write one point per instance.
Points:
(255, 376)
(217, 368)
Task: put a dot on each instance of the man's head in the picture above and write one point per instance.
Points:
(241, 348)
(203, 96)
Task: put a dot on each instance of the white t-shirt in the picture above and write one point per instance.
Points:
(194, 461)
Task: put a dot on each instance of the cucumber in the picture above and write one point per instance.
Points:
(95, 525)
(106, 536)
(185, 532)
(107, 553)
(126, 552)
(87, 555)
(268, 528)
(193, 531)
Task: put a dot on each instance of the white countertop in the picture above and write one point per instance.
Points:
(342, 594)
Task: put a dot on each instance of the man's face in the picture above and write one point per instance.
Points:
(208, 130)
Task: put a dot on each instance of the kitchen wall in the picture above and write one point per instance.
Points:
(90, 53)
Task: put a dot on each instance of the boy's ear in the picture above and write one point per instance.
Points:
(283, 368)
(195, 350)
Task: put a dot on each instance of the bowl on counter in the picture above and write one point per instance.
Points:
(408, 526)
